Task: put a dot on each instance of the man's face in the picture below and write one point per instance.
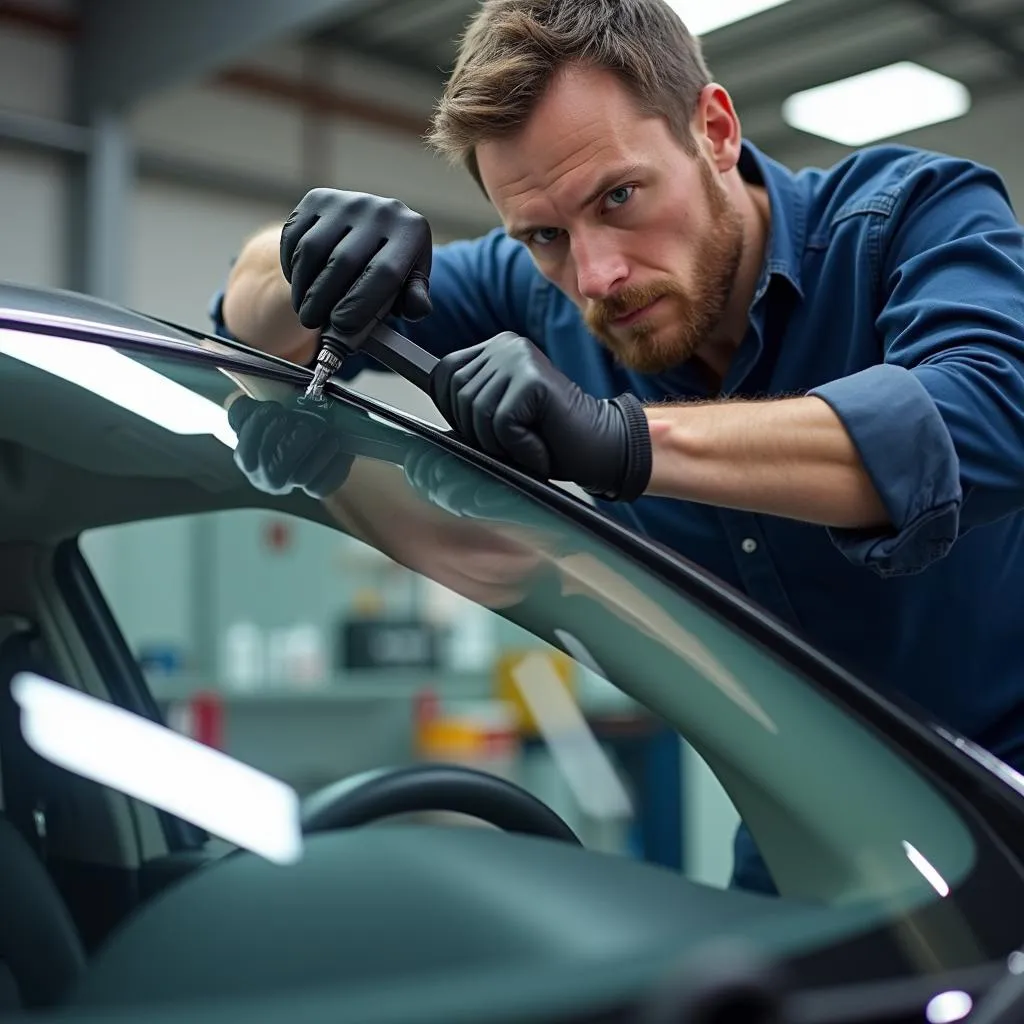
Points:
(637, 232)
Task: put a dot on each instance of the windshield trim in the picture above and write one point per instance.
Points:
(132, 340)
(917, 736)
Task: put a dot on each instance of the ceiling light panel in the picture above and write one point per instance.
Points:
(702, 17)
(879, 104)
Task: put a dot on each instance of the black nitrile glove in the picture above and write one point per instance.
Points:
(281, 449)
(505, 398)
(349, 255)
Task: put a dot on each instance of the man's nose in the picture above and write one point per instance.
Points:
(601, 268)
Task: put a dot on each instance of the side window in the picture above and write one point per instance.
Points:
(312, 656)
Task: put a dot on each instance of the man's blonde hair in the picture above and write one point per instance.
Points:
(512, 49)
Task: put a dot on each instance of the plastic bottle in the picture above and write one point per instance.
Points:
(243, 657)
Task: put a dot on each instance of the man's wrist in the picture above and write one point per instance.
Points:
(635, 474)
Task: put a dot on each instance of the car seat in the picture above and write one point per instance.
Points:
(41, 952)
(41, 956)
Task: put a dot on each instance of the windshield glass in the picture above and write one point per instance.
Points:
(321, 591)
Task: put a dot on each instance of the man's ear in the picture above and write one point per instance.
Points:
(716, 127)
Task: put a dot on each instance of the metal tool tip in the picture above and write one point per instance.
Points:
(321, 374)
(316, 386)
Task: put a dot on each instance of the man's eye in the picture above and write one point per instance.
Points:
(620, 195)
(545, 236)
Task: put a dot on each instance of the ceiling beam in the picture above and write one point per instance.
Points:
(32, 132)
(829, 68)
(988, 31)
(32, 16)
(130, 49)
(419, 22)
(731, 44)
(270, 191)
(403, 57)
(751, 103)
(736, 42)
(321, 99)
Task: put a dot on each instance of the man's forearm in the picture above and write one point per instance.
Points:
(257, 301)
(353, 511)
(790, 458)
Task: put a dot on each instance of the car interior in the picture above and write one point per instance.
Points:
(116, 907)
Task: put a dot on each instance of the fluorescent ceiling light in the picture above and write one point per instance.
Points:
(704, 16)
(150, 762)
(877, 104)
(117, 378)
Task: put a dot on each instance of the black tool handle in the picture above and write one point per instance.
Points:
(388, 347)
(398, 353)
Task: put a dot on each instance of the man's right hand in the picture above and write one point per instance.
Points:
(348, 255)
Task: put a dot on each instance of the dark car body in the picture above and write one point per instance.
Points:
(897, 847)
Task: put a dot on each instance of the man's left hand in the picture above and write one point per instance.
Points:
(505, 398)
(281, 449)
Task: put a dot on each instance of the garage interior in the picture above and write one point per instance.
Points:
(140, 144)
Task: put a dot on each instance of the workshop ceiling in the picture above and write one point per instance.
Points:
(762, 60)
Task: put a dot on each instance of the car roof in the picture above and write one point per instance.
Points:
(61, 437)
(40, 413)
(56, 302)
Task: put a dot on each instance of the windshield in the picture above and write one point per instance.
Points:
(320, 590)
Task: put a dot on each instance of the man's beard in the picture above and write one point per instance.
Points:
(696, 315)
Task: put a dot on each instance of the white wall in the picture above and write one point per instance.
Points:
(182, 239)
(33, 80)
(182, 243)
(34, 70)
(32, 211)
(223, 128)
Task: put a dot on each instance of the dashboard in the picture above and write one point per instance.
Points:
(415, 922)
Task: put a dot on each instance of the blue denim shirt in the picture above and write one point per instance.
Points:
(893, 289)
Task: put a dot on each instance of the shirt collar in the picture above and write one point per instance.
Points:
(786, 239)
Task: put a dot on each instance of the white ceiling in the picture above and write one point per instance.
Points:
(784, 50)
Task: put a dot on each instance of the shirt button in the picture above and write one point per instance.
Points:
(749, 546)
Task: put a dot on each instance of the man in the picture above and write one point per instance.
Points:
(811, 384)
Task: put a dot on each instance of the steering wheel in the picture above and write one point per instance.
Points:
(383, 792)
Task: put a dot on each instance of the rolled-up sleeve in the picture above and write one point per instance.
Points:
(909, 455)
(939, 424)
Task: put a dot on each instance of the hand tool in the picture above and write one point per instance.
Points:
(381, 342)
